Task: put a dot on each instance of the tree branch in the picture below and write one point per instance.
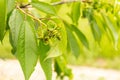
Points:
(70, 1)
(63, 2)
(37, 19)
(24, 6)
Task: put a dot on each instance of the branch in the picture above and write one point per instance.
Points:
(59, 3)
(24, 6)
(70, 1)
(37, 19)
(63, 2)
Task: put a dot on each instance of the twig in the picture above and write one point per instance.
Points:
(71, 1)
(37, 19)
(63, 2)
(24, 6)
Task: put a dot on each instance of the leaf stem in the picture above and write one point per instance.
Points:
(37, 19)
(70, 1)
(63, 2)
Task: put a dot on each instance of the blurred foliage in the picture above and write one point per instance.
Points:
(88, 28)
(99, 22)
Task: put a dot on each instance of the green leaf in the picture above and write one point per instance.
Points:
(27, 47)
(61, 68)
(96, 30)
(72, 41)
(75, 12)
(10, 8)
(22, 1)
(46, 64)
(15, 21)
(118, 20)
(100, 22)
(57, 49)
(112, 29)
(3, 17)
(75, 48)
(94, 26)
(113, 19)
(10, 5)
(58, 69)
(34, 0)
(81, 36)
(44, 7)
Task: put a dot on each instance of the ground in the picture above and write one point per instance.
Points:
(10, 70)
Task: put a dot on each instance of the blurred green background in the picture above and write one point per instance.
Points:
(103, 54)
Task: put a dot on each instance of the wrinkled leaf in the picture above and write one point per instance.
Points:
(81, 36)
(45, 7)
(75, 12)
(46, 64)
(15, 21)
(27, 47)
(3, 16)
